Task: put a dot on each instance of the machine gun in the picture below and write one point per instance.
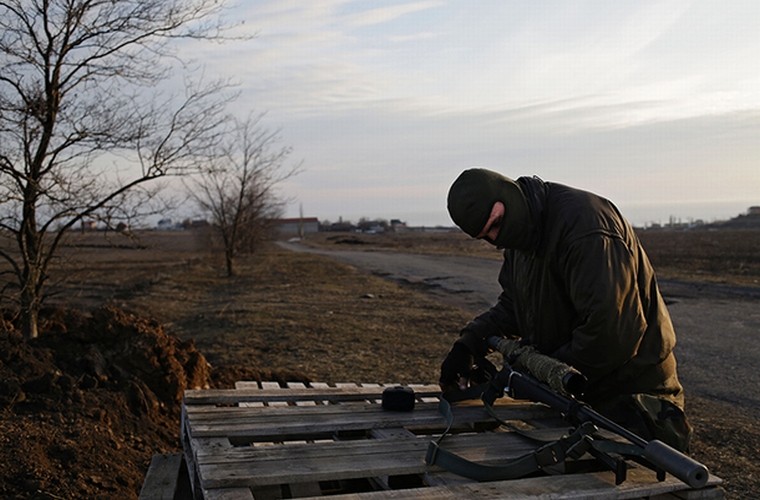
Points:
(556, 388)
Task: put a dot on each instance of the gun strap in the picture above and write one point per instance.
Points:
(551, 453)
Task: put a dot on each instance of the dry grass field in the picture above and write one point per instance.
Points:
(88, 427)
(731, 256)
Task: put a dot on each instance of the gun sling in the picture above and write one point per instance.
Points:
(550, 453)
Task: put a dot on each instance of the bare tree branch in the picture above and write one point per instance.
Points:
(239, 189)
(84, 126)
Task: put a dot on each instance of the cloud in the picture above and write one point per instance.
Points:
(385, 14)
(387, 101)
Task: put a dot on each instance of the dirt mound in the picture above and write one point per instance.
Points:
(89, 403)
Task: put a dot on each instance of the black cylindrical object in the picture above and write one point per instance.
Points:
(398, 398)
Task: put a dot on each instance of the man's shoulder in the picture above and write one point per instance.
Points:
(576, 213)
(562, 193)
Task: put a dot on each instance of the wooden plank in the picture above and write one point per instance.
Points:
(348, 459)
(162, 481)
(520, 410)
(273, 386)
(596, 485)
(710, 493)
(230, 494)
(259, 423)
(392, 433)
(320, 386)
(191, 448)
(250, 386)
(335, 394)
(379, 387)
(247, 384)
(475, 446)
(409, 480)
(303, 489)
(301, 385)
(420, 392)
(188, 453)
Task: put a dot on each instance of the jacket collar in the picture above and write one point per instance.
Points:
(535, 191)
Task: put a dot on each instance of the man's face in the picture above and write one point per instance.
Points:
(491, 229)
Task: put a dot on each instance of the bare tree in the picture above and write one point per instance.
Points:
(239, 191)
(83, 122)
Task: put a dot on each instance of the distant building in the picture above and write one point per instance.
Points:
(746, 221)
(297, 226)
(398, 225)
(340, 226)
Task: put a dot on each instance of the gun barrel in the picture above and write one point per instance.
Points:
(681, 466)
(656, 452)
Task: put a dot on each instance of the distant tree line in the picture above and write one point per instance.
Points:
(364, 225)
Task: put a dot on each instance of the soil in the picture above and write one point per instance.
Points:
(85, 406)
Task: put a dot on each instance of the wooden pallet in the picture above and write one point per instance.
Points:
(261, 440)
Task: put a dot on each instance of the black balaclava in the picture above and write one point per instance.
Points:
(471, 198)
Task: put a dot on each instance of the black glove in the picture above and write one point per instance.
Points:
(457, 364)
(482, 371)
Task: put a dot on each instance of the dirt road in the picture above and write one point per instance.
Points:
(718, 327)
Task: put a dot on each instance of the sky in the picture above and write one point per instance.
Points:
(654, 105)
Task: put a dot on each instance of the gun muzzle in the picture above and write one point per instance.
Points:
(681, 466)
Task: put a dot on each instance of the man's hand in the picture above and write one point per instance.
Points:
(455, 369)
